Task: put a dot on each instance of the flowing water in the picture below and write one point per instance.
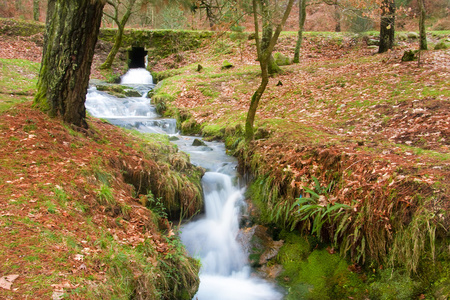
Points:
(225, 274)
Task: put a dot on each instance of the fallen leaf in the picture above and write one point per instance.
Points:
(7, 281)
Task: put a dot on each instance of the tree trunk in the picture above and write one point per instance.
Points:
(264, 55)
(387, 30)
(70, 37)
(114, 50)
(36, 10)
(301, 26)
(422, 33)
(255, 101)
(267, 34)
(337, 17)
(119, 34)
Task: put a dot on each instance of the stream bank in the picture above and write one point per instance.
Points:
(344, 183)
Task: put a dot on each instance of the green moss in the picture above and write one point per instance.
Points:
(16, 27)
(320, 276)
(393, 284)
(159, 43)
(281, 59)
(159, 76)
(18, 81)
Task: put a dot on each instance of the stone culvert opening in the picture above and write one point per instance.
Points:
(136, 57)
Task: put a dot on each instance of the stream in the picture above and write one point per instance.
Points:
(211, 237)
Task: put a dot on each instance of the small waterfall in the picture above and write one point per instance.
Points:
(137, 76)
(225, 274)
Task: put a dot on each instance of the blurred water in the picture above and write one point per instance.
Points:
(225, 274)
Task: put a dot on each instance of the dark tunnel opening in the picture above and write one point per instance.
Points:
(136, 57)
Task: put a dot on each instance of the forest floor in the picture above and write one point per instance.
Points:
(390, 119)
(387, 114)
(71, 225)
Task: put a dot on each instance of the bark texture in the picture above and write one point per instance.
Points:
(387, 25)
(36, 10)
(422, 33)
(301, 26)
(70, 38)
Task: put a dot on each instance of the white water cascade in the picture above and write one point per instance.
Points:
(225, 274)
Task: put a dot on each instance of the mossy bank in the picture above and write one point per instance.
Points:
(368, 207)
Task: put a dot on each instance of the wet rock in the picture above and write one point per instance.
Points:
(132, 93)
(198, 143)
(259, 245)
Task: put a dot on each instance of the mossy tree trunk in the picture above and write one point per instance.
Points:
(387, 25)
(422, 33)
(70, 37)
(337, 17)
(264, 54)
(267, 34)
(120, 30)
(301, 26)
(36, 10)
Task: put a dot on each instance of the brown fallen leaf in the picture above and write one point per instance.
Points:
(7, 281)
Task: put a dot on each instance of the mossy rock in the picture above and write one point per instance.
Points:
(373, 42)
(114, 90)
(198, 143)
(402, 36)
(160, 76)
(190, 126)
(281, 59)
(132, 93)
(441, 46)
(410, 55)
(413, 35)
(14, 27)
(226, 65)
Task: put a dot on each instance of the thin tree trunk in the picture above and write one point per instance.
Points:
(36, 10)
(114, 50)
(255, 101)
(71, 34)
(422, 33)
(387, 26)
(301, 26)
(267, 34)
(264, 55)
(337, 17)
(119, 34)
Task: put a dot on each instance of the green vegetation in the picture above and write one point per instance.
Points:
(17, 81)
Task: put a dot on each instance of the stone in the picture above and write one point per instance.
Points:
(373, 42)
(259, 245)
(132, 93)
(413, 35)
(226, 65)
(441, 46)
(198, 142)
(409, 55)
(281, 59)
